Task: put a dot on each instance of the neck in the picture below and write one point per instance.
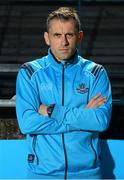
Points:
(66, 60)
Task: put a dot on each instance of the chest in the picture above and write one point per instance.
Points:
(69, 88)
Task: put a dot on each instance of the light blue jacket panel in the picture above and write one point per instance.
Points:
(67, 142)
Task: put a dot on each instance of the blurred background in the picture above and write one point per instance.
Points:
(22, 23)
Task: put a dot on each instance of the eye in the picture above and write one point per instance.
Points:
(70, 35)
(57, 35)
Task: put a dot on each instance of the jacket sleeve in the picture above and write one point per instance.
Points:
(89, 119)
(27, 105)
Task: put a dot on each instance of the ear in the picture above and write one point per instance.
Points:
(46, 37)
(80, 36)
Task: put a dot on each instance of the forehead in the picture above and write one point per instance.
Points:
(62, 25)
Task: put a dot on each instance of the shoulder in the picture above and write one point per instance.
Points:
(90, 66)
(32, 67)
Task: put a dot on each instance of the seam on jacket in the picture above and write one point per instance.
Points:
(34, 147)
(94, 151)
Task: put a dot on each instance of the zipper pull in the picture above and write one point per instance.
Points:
(64, 63)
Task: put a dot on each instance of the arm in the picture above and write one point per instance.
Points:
(92, 117)
(95, 102)
(62, 120)
(27, 105)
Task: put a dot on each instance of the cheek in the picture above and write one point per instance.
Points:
(73, 43)
(54, 43)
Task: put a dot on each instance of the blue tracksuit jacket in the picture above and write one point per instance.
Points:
(66, 144)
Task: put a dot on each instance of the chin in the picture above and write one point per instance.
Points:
(65, 57)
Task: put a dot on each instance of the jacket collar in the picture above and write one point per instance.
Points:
(70, 62)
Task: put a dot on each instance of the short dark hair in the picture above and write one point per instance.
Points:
(64, 13)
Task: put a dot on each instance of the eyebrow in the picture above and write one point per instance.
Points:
(68, 33)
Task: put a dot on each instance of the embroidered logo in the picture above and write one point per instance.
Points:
(82, 89)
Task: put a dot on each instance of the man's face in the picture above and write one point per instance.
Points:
(63, 38)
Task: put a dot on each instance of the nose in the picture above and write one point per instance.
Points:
(64, 40)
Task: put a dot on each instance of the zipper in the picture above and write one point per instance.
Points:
(63, 138)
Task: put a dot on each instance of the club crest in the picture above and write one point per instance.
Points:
(82, 89)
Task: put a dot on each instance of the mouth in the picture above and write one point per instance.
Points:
(64, 50)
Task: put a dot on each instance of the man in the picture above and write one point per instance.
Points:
(63, 101)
